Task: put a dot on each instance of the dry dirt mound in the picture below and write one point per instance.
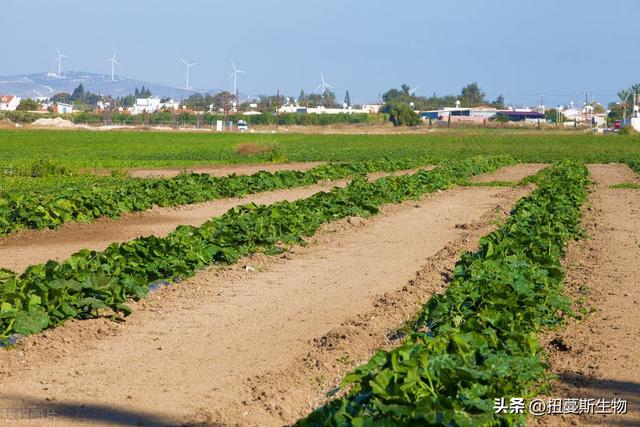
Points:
(57, 122)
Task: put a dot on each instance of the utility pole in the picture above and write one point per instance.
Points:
(277, 109)
(225, 106)
(237, 108)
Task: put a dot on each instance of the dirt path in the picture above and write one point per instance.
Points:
(28, 247)
(600, 356)
(223, 170)
(188, 351)
(515, 172)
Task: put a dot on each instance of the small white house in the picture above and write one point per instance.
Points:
(62, 108)
(9, 102)
(170, 105)
(149, 105)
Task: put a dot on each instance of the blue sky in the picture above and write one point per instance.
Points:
(559, 48)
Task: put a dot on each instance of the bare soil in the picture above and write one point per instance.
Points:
(515, 172)
(258, 343)
(598, 356)
(24, 248)
(223, 170)
(28, 247)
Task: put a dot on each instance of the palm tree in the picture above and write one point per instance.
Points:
(624, 95)
(635, 91)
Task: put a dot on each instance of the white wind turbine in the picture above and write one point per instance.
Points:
(234, 74)
(114, 62)
(59, 60)
(323, 85)
(188, 66)
(412, 91)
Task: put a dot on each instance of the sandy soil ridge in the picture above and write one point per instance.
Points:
(600, 357)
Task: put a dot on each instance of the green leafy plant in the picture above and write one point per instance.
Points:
(84, 199)
(89, 281)
(476, 342)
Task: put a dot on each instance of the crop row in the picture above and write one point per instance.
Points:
(47, 294)
(83, 200)
(477, 341)
(634, 164)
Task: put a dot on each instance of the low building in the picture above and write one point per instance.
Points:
(458, 114)
(521, 116)
(62, 108)
(145, 105)
(170, 105)
(324, 110)
(9, 102)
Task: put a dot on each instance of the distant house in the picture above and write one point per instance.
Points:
(459, 114)
(325, 110)
(521, 116)
(170, 105)
(62, 108)
(9, 102)
(145, 105)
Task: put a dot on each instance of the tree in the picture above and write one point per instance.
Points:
(499, 102)
(598, 108)
(301, 97)
(78, 93)
(554, 116)
(624, 95)
(63, 97)
(28, 105)
(472, 96)
(401, 114)
(347, 99)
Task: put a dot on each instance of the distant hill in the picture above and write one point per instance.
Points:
(47, 84)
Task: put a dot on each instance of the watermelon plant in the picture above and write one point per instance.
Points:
(81, 199)
(89, 281)
(477, 341)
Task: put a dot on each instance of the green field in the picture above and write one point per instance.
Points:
(90, 149)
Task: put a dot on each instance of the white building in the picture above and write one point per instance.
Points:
(170, 105)
(9, 102)
(325, 110)
(145, 105)
(62, 108)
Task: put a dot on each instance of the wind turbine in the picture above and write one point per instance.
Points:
(114, 62)
(188, 66)
(324, 85)
(234, 74)
(412, 91)
(59, 59)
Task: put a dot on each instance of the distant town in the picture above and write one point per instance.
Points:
(229, 110)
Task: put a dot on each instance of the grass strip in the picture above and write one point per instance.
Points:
(626, 185)
(63, 199)
(89, 281)
(477, 341)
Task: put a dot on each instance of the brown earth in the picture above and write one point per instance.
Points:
(598, 356)
(516, 172)
(22, 249)
(223, 170)
(253, 347)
